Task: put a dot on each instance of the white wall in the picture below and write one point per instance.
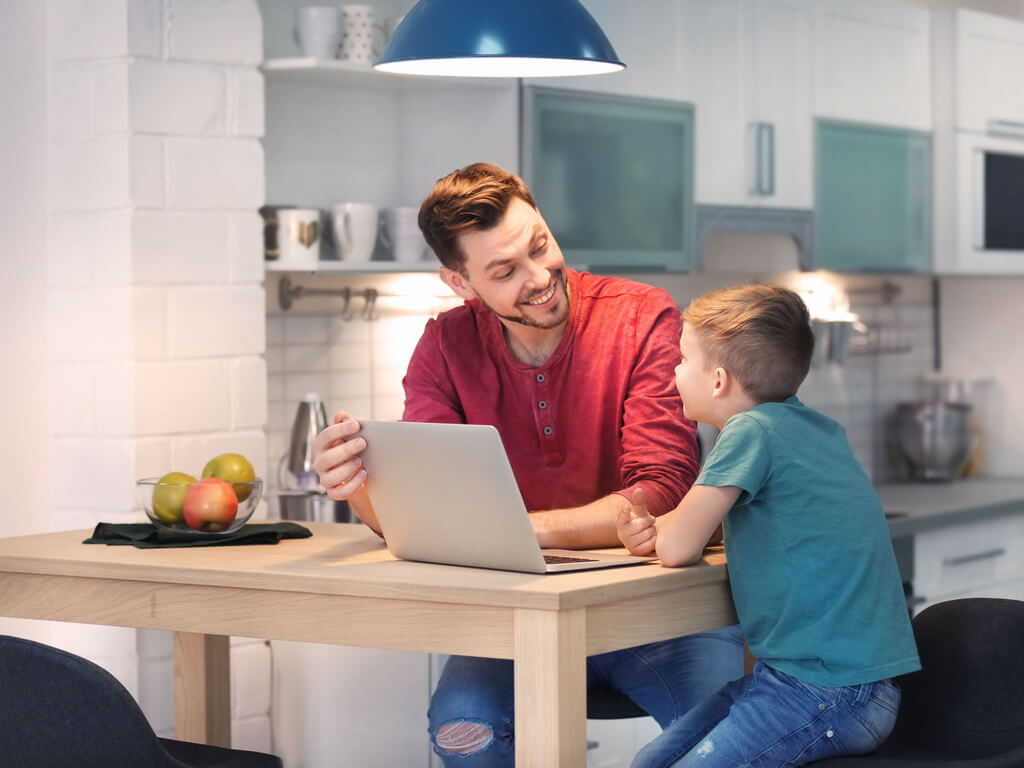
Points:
(24, 410)
(24, 406)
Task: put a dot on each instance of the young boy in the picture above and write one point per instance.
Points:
(811, 564)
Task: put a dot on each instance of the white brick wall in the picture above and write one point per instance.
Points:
(155, 303)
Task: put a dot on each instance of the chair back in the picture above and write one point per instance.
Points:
(967, 701)
(58, 709)
(604, 703)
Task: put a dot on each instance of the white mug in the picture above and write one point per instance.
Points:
(318, 30)
(355, 230)
(357, 34)
(401, 233)
(298, 237)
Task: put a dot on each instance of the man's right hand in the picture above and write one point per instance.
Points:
(336, 457)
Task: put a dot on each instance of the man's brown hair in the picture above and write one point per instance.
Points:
(472, 198)
(761, 334)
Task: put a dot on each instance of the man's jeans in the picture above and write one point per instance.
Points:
(770, 719)
(666, 679)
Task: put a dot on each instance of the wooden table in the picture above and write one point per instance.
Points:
(342, 587)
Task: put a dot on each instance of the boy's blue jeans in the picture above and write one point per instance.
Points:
(770, 719)
(666, 679)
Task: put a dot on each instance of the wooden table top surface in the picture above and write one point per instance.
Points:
(344, 559)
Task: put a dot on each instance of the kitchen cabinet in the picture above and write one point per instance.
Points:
(872, 63)
(873, 198)
(613, 176)
(979, 59)
(983, 559)
(656, 40)
(960, 539)
(754, 123)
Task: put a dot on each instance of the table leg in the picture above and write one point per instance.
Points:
(202, 688)
(550, 688)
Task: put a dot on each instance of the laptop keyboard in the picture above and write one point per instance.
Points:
(552, 559)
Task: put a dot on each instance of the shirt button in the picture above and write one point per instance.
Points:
(540, 378)
(821, 706)
(829, 733)
(548, 430)
(542, 404)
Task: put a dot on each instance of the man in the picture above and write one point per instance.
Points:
(575, 372)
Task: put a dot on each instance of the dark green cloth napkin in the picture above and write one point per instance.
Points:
(147, 535)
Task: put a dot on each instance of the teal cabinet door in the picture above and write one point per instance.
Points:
(612, 176)
(873, 198)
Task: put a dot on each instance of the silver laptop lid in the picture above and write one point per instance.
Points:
(445, 493)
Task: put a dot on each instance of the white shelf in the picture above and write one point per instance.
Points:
(339, 73)
(359, 268)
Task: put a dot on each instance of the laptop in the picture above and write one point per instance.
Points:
(446, 493)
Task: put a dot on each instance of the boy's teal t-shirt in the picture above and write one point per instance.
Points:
(811, 563)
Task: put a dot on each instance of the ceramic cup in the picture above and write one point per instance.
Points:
(358, 42)
(299, 237)
(271, 230)
(355, 230)
(318, 30)
(401, 234)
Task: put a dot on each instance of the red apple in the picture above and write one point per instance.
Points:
(210, 505)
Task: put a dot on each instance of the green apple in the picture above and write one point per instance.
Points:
(169, 496)
(232, 468)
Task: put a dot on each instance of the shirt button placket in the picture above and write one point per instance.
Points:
(544, 420)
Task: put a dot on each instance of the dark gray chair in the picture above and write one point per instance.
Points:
(58, 709)
(608, 704)
(965, 707)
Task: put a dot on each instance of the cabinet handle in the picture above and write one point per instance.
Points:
(988, 554)
(1012, 128)
(768, 158)
(763, 139)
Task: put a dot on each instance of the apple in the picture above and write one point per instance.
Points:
(210, 505)
(169, 496)
(232, 468)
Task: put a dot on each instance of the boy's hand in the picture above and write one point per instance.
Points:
(636, 527)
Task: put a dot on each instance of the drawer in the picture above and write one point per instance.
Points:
(963, 557)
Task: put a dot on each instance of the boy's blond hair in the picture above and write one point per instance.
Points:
(761, 334)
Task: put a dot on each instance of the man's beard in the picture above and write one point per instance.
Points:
(549, 321)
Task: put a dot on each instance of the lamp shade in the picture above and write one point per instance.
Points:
(499, 38)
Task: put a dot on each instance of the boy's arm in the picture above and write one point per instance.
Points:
(684, 532)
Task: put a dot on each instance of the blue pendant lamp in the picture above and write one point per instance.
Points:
(499, 38)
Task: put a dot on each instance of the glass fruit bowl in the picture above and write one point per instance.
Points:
(207, 506)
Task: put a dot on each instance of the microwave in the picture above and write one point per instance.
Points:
(989, 208)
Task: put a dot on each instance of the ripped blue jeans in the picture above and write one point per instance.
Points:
(770, 720)
(473, 704)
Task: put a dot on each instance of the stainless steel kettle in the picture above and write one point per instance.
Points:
(297, 471)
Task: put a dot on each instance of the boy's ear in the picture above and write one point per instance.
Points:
(457, 283)
(722, 383)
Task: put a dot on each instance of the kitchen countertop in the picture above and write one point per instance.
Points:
(913, 508)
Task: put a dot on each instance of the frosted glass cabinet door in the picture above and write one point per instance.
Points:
(612, 176)
(873, 209)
